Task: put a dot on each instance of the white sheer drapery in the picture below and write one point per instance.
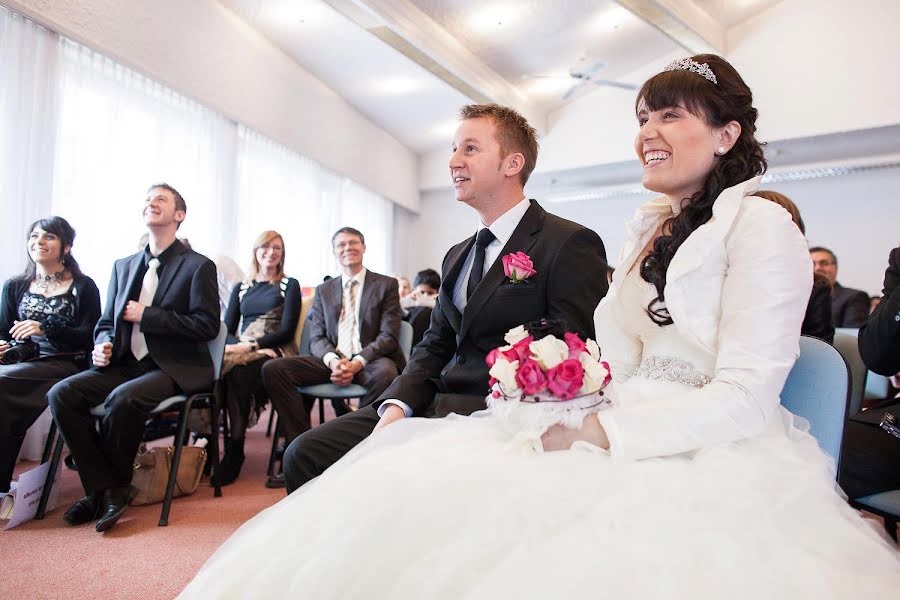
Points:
(118, 133)
(281, 190)
(29, 58)
(82, 136)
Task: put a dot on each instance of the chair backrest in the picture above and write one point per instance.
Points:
(848, 345)
(217, 350)
(874, 386)
(305, 305)
(304, 340)
(406, 337)
(817, 389)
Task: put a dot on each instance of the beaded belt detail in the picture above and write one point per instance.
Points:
(671, 369)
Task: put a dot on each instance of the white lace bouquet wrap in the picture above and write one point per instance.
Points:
(536, 384)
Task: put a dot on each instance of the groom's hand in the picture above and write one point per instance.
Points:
(392, 413)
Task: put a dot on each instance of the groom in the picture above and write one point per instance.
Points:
(494, 151)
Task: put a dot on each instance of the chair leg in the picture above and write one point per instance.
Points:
(270, 470)
(321, 410)
(48, 483)
(48, 445)
(213, 449)
(271, 419)
(176, 461)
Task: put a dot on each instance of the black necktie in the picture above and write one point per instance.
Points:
(482, 240)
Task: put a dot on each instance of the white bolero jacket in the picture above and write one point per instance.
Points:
(738, 287)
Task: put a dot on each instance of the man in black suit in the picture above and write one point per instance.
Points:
(849, 307)
(354, 338)
(879, 338)
(870, 461)
(150, 344)
(494, 152)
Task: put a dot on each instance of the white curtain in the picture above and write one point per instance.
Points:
(83, 137)
(281, 190)
(119, 133)
(29, 57)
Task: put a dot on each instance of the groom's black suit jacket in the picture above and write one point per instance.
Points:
(447, 370)
(183, 317)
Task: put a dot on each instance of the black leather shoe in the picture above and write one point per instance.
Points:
(115, 502)
(230, 467)
(275, 481)
(85, 510)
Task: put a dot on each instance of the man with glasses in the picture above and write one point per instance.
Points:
(849, 307)
(354, 331)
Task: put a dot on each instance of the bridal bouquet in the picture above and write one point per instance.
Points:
(544, 376)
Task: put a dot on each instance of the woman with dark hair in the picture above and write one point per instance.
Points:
(261, 317)
(47, 318)
(693, 483)
(817, 322)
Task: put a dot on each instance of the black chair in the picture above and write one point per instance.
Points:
(184, 404)
(330, 391)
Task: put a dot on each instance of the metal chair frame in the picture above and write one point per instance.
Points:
(184, 404)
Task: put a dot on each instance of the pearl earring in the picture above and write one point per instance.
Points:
(721, 150)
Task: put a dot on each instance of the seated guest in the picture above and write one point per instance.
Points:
(150, 344)
(354, 328)
(879, 338)
(267, 309)
(420, 303)
(228, 275)
(870, 463)
(47, 316)
(849, 307)
(817, 321)
(425, 290)
(403, 287)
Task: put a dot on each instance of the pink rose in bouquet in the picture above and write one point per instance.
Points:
(518, 267)
(565, 379)
(576, 346)
(530, 377)
(520, 350)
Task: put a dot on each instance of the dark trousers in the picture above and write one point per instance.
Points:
(23, 397)
(241, 385)
(312, 453)
(281, 377)
(128, 392)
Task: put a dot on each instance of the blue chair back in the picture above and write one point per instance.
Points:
(818, 389)
(406, 337)
(847, 344)
(304, 339)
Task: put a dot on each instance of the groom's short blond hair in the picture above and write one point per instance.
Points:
(514, 134)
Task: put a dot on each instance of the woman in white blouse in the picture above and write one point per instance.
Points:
(694, 484)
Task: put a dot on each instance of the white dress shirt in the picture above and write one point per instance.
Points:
(360, 279)
(502, 228)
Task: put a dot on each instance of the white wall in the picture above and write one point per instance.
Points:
(205, 52)
(857, 216)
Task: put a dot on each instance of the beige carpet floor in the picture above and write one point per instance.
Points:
(136, 559)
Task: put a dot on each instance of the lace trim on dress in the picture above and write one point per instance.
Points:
(671, 369)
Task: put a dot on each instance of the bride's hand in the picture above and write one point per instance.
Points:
(560, 437)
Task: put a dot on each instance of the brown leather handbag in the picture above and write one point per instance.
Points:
(151, 473)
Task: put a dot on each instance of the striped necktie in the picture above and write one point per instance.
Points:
(348, 344)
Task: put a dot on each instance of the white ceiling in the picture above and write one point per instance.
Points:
(408, 65)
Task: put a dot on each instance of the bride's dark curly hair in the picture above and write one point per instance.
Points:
(718, 104)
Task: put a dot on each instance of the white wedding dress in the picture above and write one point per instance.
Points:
(465, 508)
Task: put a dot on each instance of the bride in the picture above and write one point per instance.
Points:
(695, 483)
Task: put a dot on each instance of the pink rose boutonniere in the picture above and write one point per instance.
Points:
(517, 266)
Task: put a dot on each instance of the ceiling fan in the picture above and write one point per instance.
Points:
(583, 77)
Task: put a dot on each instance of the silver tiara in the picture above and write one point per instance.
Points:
(686, 64)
